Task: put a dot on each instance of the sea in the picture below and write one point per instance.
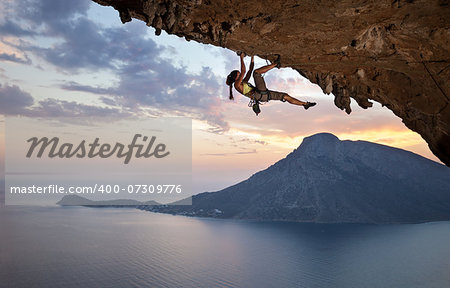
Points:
(125, 247)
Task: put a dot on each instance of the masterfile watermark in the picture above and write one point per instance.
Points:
(96, 149)
(127, 162)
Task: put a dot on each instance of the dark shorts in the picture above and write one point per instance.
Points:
(261, 86)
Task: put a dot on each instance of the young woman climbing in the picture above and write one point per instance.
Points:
(259, 92)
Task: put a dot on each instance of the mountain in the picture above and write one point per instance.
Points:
(75, 200)
(327, 180)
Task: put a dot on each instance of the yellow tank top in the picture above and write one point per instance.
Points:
(247, 88)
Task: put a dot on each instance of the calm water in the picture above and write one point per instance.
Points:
(88, 247)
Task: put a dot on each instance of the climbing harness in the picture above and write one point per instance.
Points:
(254, 103)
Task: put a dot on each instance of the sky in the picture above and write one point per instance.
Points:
(75, 58)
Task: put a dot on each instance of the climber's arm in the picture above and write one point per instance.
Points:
(243, 69)
(238, 83)
(250, 70)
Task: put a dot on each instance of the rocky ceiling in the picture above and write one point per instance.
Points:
(395, 52)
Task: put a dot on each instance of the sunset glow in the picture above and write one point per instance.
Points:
(46, 72)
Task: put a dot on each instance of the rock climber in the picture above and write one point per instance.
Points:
(259, 92)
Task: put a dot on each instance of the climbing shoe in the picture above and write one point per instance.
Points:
(309, 104)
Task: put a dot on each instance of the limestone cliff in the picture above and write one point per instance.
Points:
(395, 52)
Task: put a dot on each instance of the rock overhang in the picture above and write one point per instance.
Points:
(393, 52)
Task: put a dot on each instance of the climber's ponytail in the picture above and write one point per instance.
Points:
(231, 92)
(231, 78)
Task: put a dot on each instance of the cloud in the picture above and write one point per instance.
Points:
(50, 11)
(83, 47)
(80, 42)
(230, 154)
(9, 28)
(145, 77)
(14, 101)
(14, 58)
(60, 108)
(231, 60)
(253, 141)
(74, 86)
(166, 88)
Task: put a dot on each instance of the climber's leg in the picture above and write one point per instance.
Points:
(266, 68)
(293, 100)
(259, 81)
(282, 96)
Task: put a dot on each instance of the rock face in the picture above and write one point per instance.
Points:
(394, 52)
(327, 180)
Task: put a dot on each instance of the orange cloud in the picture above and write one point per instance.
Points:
(12, 52)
